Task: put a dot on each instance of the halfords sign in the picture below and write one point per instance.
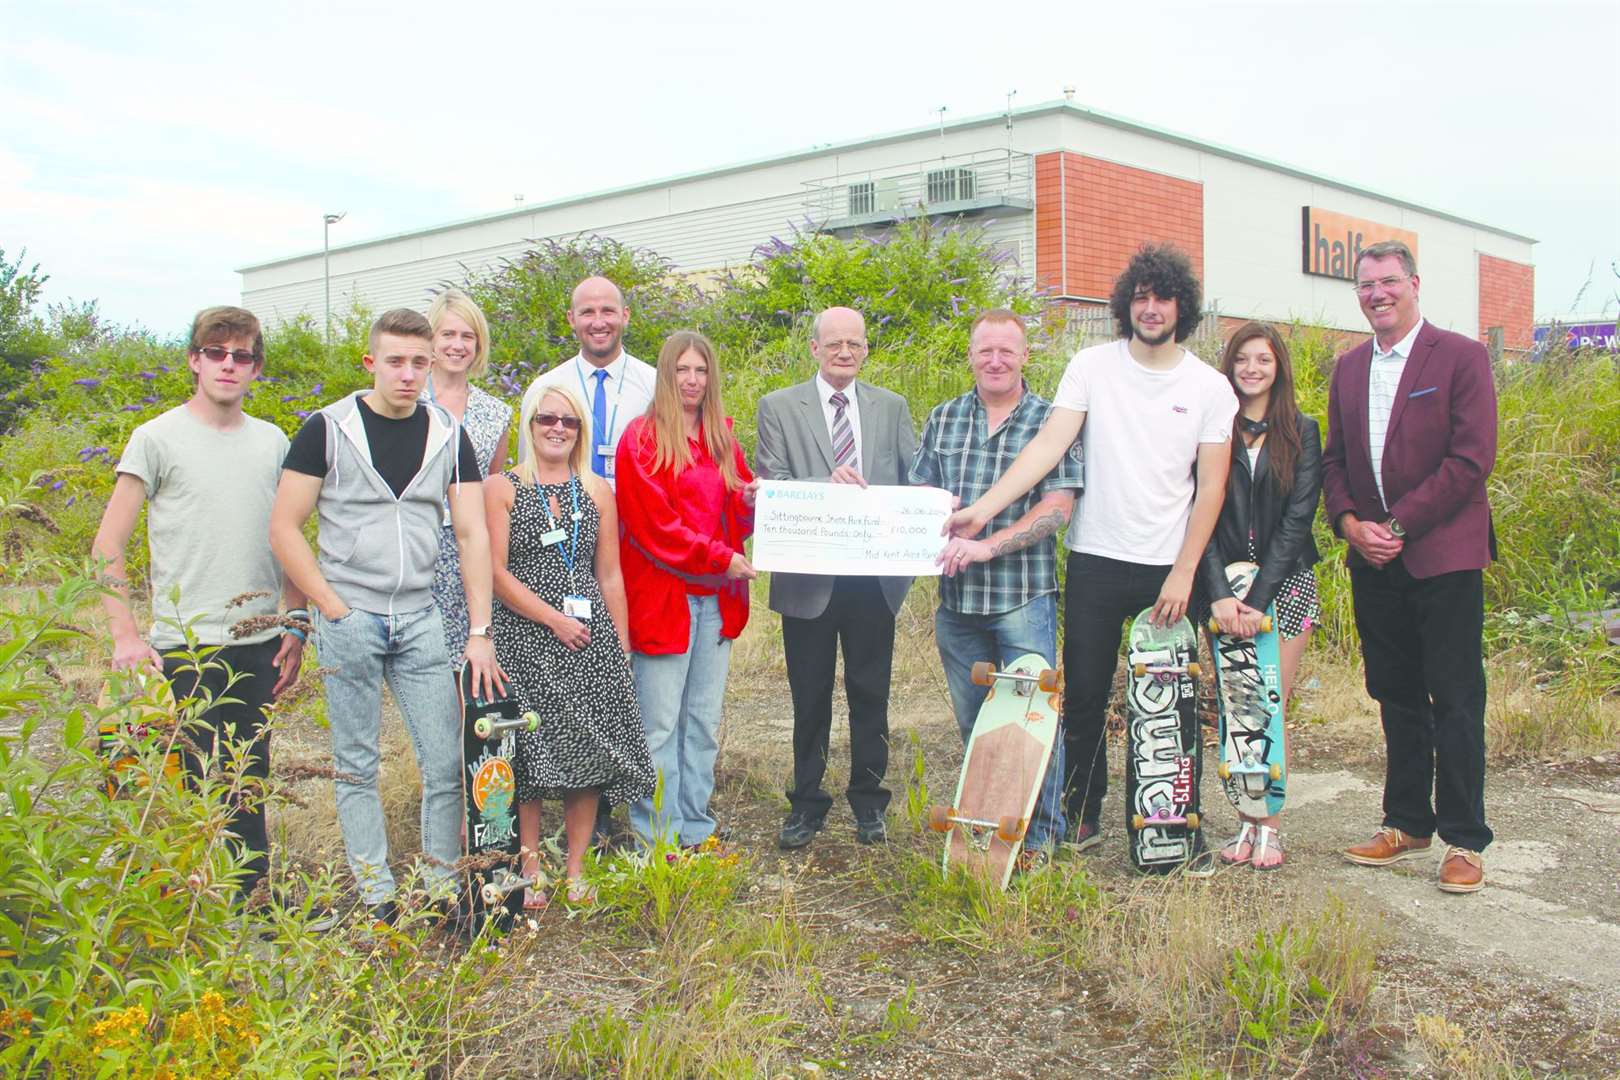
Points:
(1333, 241)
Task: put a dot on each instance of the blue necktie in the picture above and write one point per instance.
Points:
(599, 431)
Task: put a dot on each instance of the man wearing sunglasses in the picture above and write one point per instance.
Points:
(380, 466)
(207, 473)
(1411, 441)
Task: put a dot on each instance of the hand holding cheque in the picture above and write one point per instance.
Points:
(803, 527)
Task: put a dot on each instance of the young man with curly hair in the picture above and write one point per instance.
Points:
(1155, 423)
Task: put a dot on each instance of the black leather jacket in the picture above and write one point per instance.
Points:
(1282, 526)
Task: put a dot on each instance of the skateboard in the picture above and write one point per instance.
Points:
(493, 885)
(1248, 674)
(1161, 745)
(144, 717)
(1002, 769)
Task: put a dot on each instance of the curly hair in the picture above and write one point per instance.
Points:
(1166, 272)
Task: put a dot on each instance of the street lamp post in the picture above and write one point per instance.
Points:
(328, 220)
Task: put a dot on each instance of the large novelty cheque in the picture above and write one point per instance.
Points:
(821, 528)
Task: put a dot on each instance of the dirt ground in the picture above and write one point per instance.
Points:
(1531, 964)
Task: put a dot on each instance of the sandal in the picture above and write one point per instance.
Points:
(1229, 853)
(1269, 839)
(581, 893)
(535, 899)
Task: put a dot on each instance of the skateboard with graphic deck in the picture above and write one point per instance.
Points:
(1002, 768)
(491, 887)
(1248, 677)
(1161, 745)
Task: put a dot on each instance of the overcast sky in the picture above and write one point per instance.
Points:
(149, 149)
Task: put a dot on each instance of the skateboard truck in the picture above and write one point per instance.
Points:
(1249, 765)
(504, 883)
(1164, 816)
(1009, 829)
(1049, 681)
(487, 728)
(1162, 664)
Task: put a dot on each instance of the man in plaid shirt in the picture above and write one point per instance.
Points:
(998, 598)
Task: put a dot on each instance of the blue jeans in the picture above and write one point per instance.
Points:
(680, 696)
(1003, 638)
(408, 652)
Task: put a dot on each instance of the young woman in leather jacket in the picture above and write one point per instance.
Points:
(1271, 497)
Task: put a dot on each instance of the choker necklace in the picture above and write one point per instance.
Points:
(1253, 427)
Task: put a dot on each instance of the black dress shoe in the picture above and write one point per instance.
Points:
(798, 830)
(871, 829)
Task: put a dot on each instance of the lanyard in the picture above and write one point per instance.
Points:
(603, 438)
(573, 540)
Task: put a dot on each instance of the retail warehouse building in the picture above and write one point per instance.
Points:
(1067, 192)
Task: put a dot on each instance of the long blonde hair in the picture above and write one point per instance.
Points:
(577, 457)
(668, 421)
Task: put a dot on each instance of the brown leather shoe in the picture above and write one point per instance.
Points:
(1388, 845)
(1462, 870)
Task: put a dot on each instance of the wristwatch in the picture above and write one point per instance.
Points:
(1395, 527)
(481, 631)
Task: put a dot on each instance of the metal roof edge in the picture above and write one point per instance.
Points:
(824, 149)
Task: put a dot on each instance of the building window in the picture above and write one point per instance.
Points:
(862, 198)
(954, 184)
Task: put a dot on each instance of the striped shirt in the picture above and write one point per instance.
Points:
(1383, 379)
(957, 452)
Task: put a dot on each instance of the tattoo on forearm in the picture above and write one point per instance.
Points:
(1039, 529)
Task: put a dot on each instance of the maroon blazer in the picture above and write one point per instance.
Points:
(1439, 449)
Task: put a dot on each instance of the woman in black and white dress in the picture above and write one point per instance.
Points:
(560, 631)
(1271, 497)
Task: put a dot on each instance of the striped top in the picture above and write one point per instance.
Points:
(1383, 379)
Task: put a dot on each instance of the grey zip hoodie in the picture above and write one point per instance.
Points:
(377, 550)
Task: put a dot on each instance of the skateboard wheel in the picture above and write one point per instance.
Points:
(1224, 771)
(483, 727)
(1276, 770)
(1138, 822)
(531, 722)
(491, 894)
(1265, 624)
(1139, 670)
(939, 819)
(1193, 669)
(1050, 680)
(983, 673)
(1214, 627)
(1192, 820)
(1011, 829)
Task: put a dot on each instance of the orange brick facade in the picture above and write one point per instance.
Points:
(1092, 215)
(1507, 292)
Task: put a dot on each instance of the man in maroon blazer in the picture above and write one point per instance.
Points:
(1411, 439)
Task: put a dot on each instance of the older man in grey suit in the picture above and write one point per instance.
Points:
(837, 429)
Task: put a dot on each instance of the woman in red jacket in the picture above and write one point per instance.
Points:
(686, 499)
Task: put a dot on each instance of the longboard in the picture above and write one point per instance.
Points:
(492, 884)
(1161, 745)
(1002, 770)
(1248, 674)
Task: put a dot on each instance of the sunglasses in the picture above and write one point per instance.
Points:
(216, 354)
(551, 419)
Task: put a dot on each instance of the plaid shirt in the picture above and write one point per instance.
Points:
(956, 453)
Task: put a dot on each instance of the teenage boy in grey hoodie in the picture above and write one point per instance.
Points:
(382, 469)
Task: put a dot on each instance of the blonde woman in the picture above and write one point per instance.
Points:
(460, 354)
(560, 630)
(687, 500)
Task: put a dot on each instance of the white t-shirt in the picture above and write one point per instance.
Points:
(1141, 437)
(208, 499)
(628, 390)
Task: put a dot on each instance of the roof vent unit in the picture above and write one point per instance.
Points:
(860, 198)
(953, 184)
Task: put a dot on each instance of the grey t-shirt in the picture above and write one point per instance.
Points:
(209, 494)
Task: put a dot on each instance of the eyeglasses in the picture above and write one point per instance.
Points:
(1365, 288)
(216, 354)
(852, 345)
(551, 419)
